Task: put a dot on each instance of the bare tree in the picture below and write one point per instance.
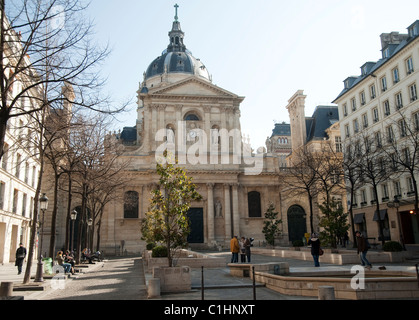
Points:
(352, 177)
(373, 166)
(301, 177)
(44, 44)
(402, 149)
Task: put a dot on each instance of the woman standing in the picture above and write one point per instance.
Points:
(315, 248)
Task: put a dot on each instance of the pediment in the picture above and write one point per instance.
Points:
(192, 87)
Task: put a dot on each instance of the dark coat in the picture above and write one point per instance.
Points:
(315, 246)
(362, 244)
(20, 255)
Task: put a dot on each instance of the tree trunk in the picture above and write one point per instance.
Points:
(54, 218)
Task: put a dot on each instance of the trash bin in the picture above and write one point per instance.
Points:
(47, 265)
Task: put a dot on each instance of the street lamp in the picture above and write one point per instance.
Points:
(73, 217)
(396, 203)
(43, 205)
(89, 224)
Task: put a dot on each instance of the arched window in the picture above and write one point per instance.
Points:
(253, 199)
(131, 205)
(191, 117)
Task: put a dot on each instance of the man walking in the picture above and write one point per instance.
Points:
(20, 256)
(363, 249)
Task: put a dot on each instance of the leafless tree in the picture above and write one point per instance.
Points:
(402, 148)
(301, 177)
(44, 44)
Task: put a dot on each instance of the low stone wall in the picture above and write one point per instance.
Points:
(187, 258)
(341, 257)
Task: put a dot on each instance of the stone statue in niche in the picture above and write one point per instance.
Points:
(218, 209)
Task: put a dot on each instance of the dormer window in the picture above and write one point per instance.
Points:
(413, 30)
(364, 70)
(386, 53)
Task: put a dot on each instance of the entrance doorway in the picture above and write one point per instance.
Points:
(297, 226)
(196, 219)
(409, 227)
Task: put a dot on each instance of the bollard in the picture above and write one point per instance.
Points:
(154, 288)
(6, 289)
(202, 284)
(326, 293)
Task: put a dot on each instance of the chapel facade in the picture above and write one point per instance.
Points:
(181, 110)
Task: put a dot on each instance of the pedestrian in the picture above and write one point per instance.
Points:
(363, 247)
(242, 250)
(20, 257)
(248, 244)
(345, 239)
(234, 248)
(315, 248)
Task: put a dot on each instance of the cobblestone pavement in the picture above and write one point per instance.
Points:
(123, 278)
(115, 279)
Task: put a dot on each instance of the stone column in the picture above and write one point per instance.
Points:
(236, 212)
(227, 212)
(210, 213)
(153, 127)
(147, 129)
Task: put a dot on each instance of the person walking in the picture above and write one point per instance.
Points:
(234, 248)
(315, 248)
(247, 245)
(363, 247)
(20, 257)
(242, 250)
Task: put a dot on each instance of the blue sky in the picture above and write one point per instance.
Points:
(263, 50)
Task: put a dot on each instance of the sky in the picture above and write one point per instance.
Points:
(263, 50)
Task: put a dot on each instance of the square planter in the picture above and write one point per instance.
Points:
(174, 279)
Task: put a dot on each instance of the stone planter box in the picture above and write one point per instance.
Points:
(174, 279)
(187, 258)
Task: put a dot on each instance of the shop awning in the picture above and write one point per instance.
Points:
(383, 214)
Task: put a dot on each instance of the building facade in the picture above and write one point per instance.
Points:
(380, 109)
(20, 167)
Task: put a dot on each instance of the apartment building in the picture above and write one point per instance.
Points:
(19, 165)
(380, 107)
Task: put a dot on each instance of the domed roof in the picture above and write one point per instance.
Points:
(176, 58)
(177, 62)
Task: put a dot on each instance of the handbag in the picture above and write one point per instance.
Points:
(321, 252)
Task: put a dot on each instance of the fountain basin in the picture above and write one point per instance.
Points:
(376, 285)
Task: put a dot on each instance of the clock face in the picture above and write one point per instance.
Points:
(192, 134)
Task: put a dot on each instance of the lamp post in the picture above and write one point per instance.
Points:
(43, 205)
(89, 225)
(397, 206)
(73, 217)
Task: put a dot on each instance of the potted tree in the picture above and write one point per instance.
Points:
(167, 222)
